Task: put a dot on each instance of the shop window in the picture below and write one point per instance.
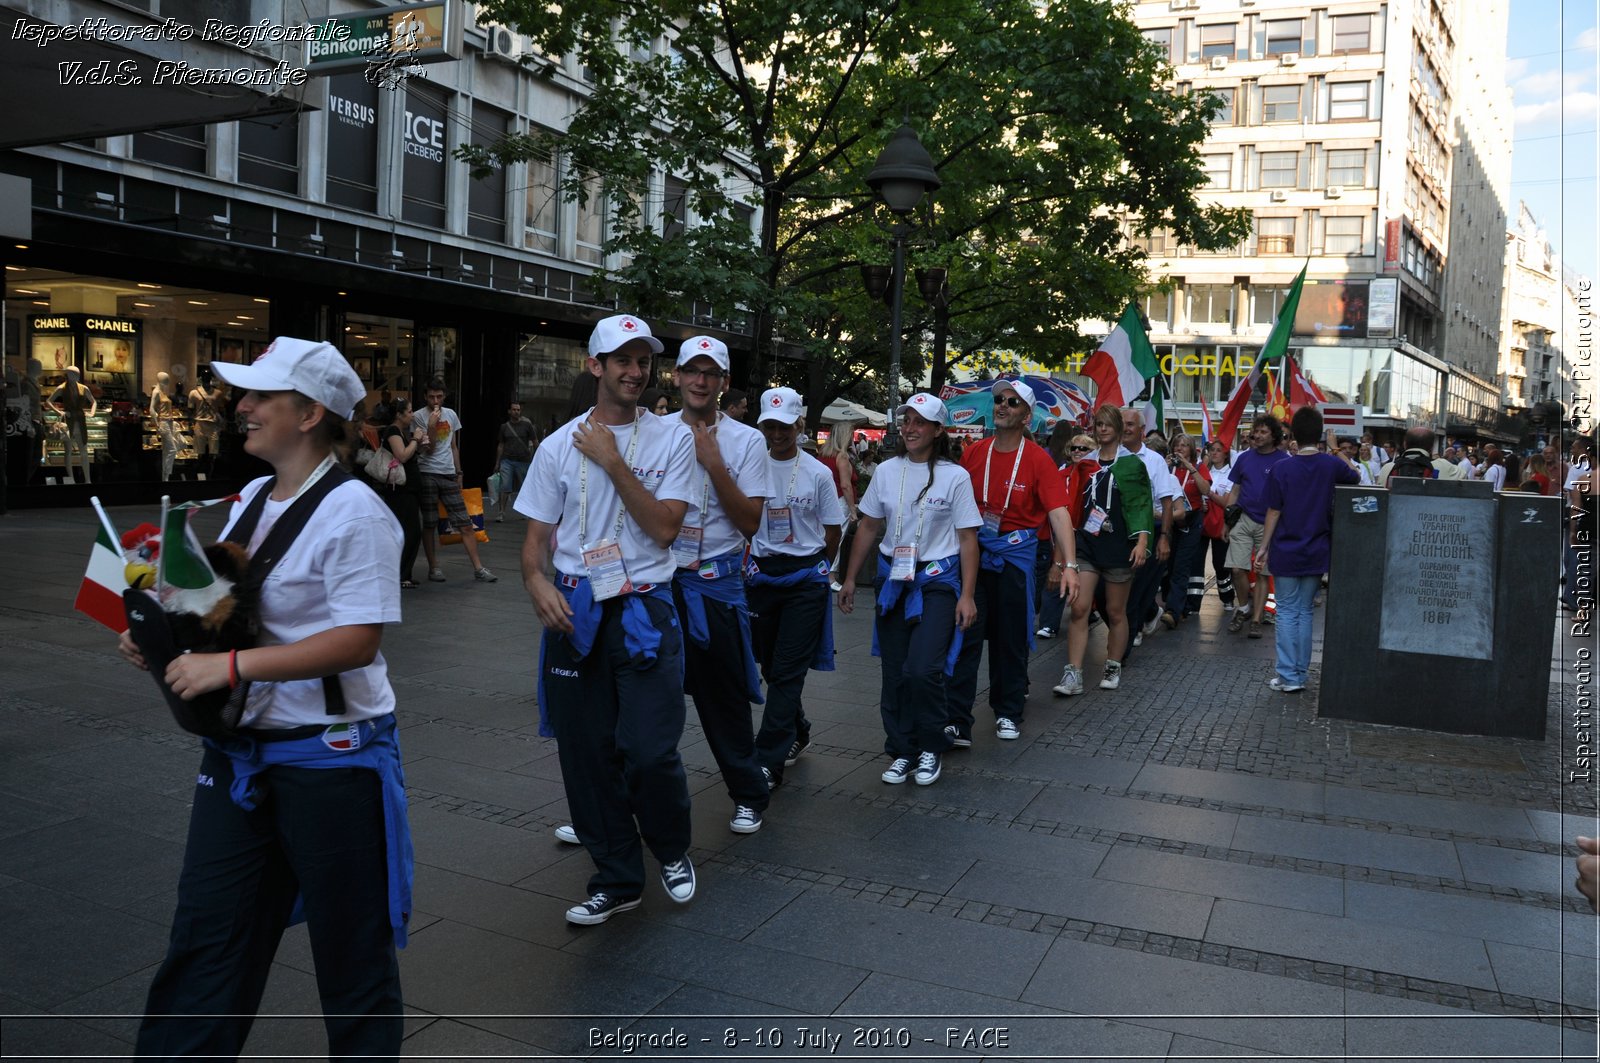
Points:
(1211, 304)
(1279, 169)
(1275, 236)
(1223, 98)
(590, 229)
(1280, 103)
(1342, 236)
(1284, 36)
(425, 156)
(543, 224)
(1162, 39)
(1347, 100)
(1352, 33)
(1265, 302)
(1219, 171)
(1347, 168)
(352, 153)
(1218, 40)
(269, 152)
(486, 196)
(183, 147)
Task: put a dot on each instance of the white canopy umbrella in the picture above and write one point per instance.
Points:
(842, 411)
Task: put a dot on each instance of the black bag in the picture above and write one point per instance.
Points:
(217, 714)
(1414, 462)
(1232, 514)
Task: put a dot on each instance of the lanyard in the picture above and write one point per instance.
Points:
(988, 467)
(900, 507)
(583, 488)
(316, 474)
(793, 476)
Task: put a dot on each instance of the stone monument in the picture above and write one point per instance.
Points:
(1441, 607)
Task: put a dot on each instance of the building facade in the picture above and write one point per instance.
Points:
(345, 216)
(1339, 129)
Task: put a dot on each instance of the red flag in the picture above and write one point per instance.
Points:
(1210, 433)
(1302, 391)
(1238, 402)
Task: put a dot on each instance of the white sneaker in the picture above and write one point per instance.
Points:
(1112, 678)
(567, 835)
(1138, 637)
(1045, 633)
(1005, 727)
(898, 772)
(1071, 681)
(1150, 628)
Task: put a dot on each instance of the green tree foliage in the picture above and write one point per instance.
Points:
(1051, 124)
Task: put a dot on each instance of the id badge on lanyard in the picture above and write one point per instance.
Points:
(904, 567)
(686, 547)
(608, 576)
(780, 524)
(1094, 521)
(991, 522)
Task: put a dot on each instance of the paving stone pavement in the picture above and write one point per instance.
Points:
(1192, 866)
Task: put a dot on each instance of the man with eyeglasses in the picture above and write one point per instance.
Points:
(1020, 493)
(731, 486)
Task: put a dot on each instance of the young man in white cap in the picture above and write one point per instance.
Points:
(789, 574)
(439, 466)
(725, 505)
(616, 482)
(1019, 491)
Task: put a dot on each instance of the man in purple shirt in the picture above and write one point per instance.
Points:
(1247, 541)
(1299, 517)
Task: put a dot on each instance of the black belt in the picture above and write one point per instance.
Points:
(283, 734)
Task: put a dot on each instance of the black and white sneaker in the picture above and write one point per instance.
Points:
(566, 835)
(898, 772)
(773, 781)
(677, 878)
(746, 820)
(599, 908)
(799, 747)
(928, 769)
(957, 740)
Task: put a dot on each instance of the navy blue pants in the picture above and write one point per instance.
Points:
(1142, 596)
(914, 702)
(618, 723)
(1004, 613)
(714, 676)
(786, 624)
(1188, 540)
(319, 834)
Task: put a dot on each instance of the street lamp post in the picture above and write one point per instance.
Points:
(902, 176)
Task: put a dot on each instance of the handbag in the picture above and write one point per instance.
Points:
(380, 466)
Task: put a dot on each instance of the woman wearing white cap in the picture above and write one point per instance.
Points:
(307, 807)
(927, 569)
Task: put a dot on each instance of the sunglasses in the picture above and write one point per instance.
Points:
(1081, 450)
(1012, 401)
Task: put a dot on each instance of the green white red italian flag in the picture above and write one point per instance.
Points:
(1123, 362)
(100, 593)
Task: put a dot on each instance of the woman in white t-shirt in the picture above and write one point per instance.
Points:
(1218, 465)
(927, 571)
(308, 804)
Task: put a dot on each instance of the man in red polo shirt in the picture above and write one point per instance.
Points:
(1019, 493)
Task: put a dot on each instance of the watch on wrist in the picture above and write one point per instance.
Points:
(1075, 566)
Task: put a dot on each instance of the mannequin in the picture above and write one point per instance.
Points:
(164, 412)
(206, 403)
(75, 404)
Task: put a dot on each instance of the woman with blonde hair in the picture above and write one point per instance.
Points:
(835, 454)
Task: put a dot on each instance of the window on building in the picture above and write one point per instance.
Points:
(590, 228)
(426, 156)
(1162, 39)
(675, 208)
(1352, 33)
(1284, 36)
(352, 149)
(1280, 103)
(1156, 242)
(269, 152)
(1274, 236)
(1219, 171)
(543, 223)
(1211, 304)
(486, 196)
(1279, 169)
(1157, 306)
(1347, 168)
(1347, 100)
(181, 146)
(1218, 40)
(1342, 236)
(1265, 301)
(1224, 99)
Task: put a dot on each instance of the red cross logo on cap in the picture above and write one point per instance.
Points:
(920, 399)
(777, 400)
(705, 345)
(629, 325)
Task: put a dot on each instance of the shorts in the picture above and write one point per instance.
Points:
(1106, 556)
(438, 489)
(1246, 540)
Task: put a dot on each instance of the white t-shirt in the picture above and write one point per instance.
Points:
(1163, 485)
(1221, 479)
(439, 460)
(1468, 470)
(1574, 474)
(663, 460)
(343, 568)
(1495, 474)
(813, 506)
(948, 506)
(744, 454)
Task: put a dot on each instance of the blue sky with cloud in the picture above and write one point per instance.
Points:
(1551, 68)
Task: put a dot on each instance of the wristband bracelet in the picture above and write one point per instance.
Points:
(233, 669)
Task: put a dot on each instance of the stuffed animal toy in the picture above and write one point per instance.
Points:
(141, 547)
(219, 617)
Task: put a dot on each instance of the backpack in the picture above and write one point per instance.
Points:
(1414, 463)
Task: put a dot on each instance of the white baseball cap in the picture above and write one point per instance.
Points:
(316, 370)
(925, 406)
(1024, 392)
(782, 405)
(709, 346)
(614, 332)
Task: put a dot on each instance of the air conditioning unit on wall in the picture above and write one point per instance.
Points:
(1219, 62)
(504, 42)
(1280, 196)
(1333, 192)
(1289, 58)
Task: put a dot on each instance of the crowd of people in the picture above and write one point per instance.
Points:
(686, 554)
